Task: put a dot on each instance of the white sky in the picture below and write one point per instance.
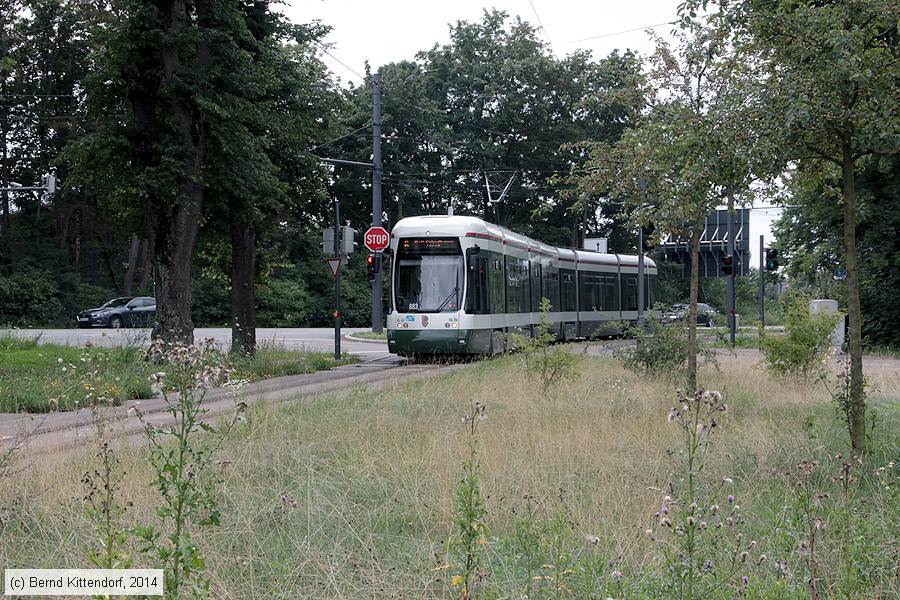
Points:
(392, 30)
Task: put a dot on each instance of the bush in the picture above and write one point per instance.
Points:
(29, 297)
(550, 364)
(284, 303)
(659, 348)
(805, 343)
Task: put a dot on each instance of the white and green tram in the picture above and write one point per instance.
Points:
(459, 285)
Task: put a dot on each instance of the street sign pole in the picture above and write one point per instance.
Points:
(640, 285)
(337, 281)
(762, 282)
(732, 324)
(377, 311)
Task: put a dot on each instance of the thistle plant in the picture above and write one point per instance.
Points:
(103, 483)
(471, 531)
(182, 463)
(698, 523)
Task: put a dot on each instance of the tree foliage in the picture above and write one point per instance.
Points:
(830, 72)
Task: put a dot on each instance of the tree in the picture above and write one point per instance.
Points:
(830, 79)
(274, 178)
(809, 236)
(492, 100)
(185, 98)
(694, 148)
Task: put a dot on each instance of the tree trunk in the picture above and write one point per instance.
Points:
(692, 309)
(857, 408)
(177, 222)
(128, 282)
(243, 289)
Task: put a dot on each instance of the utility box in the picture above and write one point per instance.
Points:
(830, 307)
(596, 245)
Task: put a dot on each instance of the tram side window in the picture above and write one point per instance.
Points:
(610, 299)
(498, 285)
(517, 288)
(629, 291)
(477, 295)
(550, 286)
(536, 291)
(589, 291)
(567, 289)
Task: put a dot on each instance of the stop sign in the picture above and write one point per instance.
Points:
(376, 239)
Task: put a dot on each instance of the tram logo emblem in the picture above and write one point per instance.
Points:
(424, 320)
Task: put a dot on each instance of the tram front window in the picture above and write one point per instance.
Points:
(429, 275)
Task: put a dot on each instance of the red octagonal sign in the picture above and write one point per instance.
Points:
(376, 239)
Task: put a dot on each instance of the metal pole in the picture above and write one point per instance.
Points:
(640, 285)
(337, 280)
(734, 266)
(762, 282)
(377, 315)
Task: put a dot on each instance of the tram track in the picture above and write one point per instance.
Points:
(64, 432)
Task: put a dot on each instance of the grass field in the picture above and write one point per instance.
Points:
(352, 496)
(370, 335)
(31, 374)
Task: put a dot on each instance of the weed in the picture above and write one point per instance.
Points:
(102, 483)
(182, 463)
(470, 512)
(552, 364)
(701, 540)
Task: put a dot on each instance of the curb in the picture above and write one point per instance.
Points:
(353, 338)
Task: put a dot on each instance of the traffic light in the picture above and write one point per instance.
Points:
(727, 265)
(771, 259)
(373, 265)
(647, 235)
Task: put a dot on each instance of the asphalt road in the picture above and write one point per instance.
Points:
(319, 339)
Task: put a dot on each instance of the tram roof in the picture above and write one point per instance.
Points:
(466, 226)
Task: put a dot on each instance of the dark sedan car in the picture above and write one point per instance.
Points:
(120, 312)
(706, 314)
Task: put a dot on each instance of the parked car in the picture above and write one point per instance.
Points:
(120, 312)
(706, 314)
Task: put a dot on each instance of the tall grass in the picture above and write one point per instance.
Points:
(39, 378)
(352, 497)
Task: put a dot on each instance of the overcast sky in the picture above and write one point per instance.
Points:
(392, 30)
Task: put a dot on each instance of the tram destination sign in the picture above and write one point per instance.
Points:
(376, 239)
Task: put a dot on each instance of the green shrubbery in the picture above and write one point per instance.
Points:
(550, 364)
(806, 341)
(658, 348)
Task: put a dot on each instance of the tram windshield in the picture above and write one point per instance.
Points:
(429, 275)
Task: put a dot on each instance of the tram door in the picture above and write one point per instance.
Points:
(497, 298)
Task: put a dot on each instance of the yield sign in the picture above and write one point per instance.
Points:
(334, 265)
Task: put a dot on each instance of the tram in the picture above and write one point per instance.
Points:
(460, 285)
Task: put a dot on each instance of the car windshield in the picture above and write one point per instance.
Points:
(429, 275)
(116, 302)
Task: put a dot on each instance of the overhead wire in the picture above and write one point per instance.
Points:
(612, 33)
(337, 139)
(345, 65)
